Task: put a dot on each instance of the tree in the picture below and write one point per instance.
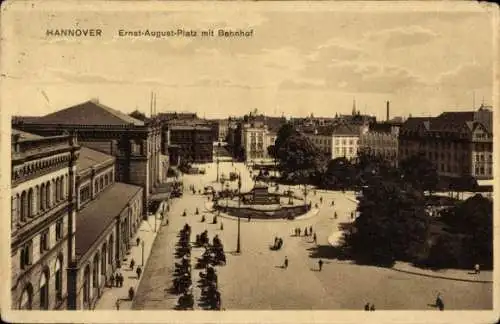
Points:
(298, 157)
(420, 172)
(285, 131)
(474, 219)
(138, 115)
(392, 224)
(339, 173)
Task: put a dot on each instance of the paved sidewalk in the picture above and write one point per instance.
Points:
(147, 235)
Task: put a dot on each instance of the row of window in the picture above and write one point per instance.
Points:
(40, 198)
(26, 300)
(26, 251)
(482, 171)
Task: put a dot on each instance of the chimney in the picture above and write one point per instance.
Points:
(387, 111)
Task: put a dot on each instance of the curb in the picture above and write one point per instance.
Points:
(313, 212)
(440, 277)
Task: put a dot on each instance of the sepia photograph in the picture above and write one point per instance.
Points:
(267, 157)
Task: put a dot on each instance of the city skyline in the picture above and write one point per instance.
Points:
(319, 64)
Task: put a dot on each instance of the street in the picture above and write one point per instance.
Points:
(255, 279)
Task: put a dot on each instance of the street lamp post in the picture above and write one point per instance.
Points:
(218, 162)
(238, 243)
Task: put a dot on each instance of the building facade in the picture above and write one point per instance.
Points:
(457, 143)
(108, 216)
(381, 140)
(136, 146)
(42, 219)
(338, 140)
(191, 143)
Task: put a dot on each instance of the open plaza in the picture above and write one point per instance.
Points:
(256, 278)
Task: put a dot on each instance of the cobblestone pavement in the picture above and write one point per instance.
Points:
(254, 279)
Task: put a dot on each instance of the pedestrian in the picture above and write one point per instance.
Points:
(117, 304)
(320, 264)
(321, 199)
(138, 240)
(477, 269)
(372, 307)
(131, 293)
(112, 280)
(132, 263)
(285, 264)
(315, 238)
(275, 241)
(310, 230)
(138, 271)
(439, 302)
(352, 215)
(298, 229)
(221, 226)
(249, 218)
(117, 280)
(367, 306)
(305, 231)
(333, 202)
(121, 280)
(335, 215)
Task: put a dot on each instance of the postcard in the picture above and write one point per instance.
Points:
(241, 162)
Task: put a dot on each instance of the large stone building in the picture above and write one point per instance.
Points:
(381, 140)
(135, 145)
(108, 215)
(190, 142)
(257, 134)
(42, 219)
(71, 223)
(338, 140)
(457, 143)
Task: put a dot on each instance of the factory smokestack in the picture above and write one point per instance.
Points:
(387, 111)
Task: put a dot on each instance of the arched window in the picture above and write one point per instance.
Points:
(31, 203)
(42, 197)
(44, 290)
(86, 285)
(59, 277)
(104, 252)
(95, 271)
(96, 189)
(101, 183)
(47, 195)
(26, 301)
(55, 187)
(110, 252)
(24, 206)
(61, 188)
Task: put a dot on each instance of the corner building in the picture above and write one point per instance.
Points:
(135, 145)
(42, 219)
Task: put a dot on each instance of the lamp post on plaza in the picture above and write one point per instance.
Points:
(238, 244)
(218, 162)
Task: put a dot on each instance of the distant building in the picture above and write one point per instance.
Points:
(191, 143)
(220, 128)
(338, 140)
(169, 116)
(381, 140)
(457, 143)
(136, 145)
(42, 219)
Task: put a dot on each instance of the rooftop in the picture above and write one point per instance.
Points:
(96, 216)
(89, 113)
(89, 158)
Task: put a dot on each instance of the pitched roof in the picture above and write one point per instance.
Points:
(89, 113)
(98, 214)
(25, 135)
(89, 157)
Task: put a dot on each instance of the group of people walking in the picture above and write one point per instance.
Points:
(116, 280)
(307, 232)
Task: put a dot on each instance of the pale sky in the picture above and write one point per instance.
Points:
(301, 60)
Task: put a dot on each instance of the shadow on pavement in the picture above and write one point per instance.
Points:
(327, 252)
